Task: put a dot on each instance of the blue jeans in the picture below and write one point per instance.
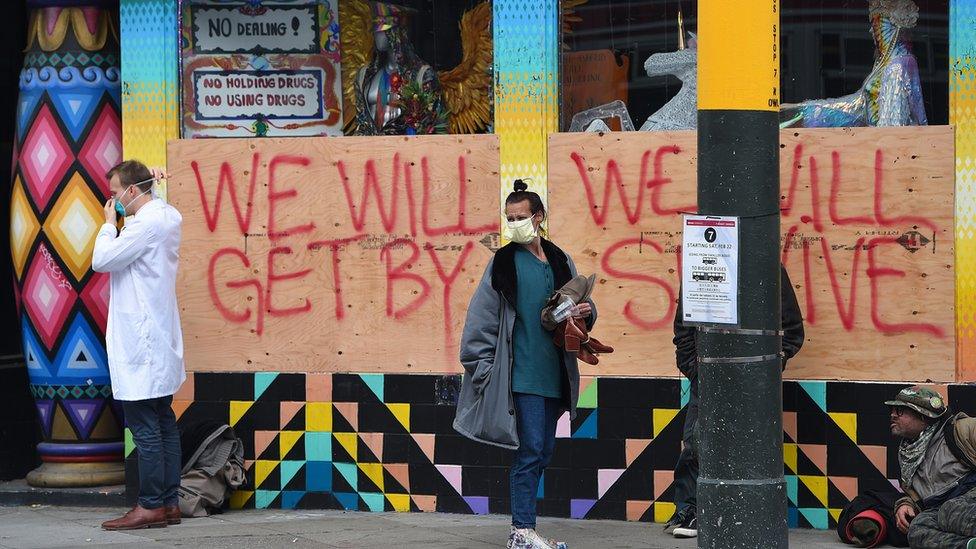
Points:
(686, 470)
(536, 418)
(153, 426)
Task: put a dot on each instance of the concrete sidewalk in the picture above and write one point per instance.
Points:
(46, 526)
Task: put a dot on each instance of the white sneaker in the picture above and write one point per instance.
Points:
(528, 538)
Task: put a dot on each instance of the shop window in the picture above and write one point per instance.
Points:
(334, 67)
(624, 62)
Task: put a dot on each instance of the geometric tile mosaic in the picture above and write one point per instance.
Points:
(347, 449)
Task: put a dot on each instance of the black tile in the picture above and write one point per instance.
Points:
(425, 479)
(811, 427)
(962, 398)
(217, 387)
(622, 423)
(286, 387)
(562, 454)
(261, 416)
(396, 448)
(557, 508)
(207, 410)
(375, 417)
(449, 450)
(348, 388)
(423, 418)
(598, 454)
(874, 429)
(477, 481)
(638, 486)
(608, 510)
(445, 420)
(413, 389)
(339, 483)
(639, 393)
(318, 500)
(860, 397)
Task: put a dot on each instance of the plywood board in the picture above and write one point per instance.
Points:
(867, 220)
(331, 254)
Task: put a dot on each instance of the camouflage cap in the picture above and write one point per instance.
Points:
(924, 401)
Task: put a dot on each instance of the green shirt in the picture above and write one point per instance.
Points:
(538, 364)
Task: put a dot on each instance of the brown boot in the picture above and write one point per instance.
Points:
(595, 346)
(586, 356)
(173, 515)
(137, 518)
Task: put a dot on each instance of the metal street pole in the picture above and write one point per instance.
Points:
(741, 489)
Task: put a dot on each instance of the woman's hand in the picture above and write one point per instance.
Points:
(583, 309)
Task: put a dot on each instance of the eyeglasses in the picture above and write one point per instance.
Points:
(897, 410)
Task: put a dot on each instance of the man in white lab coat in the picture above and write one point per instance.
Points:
(143, 337)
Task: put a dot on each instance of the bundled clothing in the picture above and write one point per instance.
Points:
(869, 520)
(213, 467)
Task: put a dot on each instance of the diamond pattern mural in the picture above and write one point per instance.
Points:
(72, 224)
(48, 296)
(103, 147)
(23, 227)
(45, 157)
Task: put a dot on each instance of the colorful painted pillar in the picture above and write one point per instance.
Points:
(68, 134)
(526, 37)
(962, 115)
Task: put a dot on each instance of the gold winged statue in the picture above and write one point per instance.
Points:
(466, 89)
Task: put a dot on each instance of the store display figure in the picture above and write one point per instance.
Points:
(681, 112)
(891, 94)
(397, 93)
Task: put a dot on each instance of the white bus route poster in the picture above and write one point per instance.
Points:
(710, 270)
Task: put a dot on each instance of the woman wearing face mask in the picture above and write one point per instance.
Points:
(516, 382)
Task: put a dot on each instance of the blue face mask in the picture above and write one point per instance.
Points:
(120, 209)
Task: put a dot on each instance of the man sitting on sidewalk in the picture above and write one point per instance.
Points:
(937, 455)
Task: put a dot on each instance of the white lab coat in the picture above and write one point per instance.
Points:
(143, 337)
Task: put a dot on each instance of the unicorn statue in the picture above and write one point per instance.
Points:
(681, 112)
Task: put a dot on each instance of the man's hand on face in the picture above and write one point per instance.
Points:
(903, 517)
(110, 216)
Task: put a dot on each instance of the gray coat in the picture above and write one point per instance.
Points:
(486, 408)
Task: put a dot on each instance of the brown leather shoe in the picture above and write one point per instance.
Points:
(137, 518)
(596, 347)
(173, 515)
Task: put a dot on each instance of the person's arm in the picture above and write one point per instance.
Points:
(793, 334)
(113, 253)
(684, 345)
(589, 319)
(481, 326)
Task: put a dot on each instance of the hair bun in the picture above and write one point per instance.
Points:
(520, 186)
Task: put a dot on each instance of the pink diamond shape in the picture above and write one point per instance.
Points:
(103, 147)
(45, 157)
(48, 296)
(95, 297)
